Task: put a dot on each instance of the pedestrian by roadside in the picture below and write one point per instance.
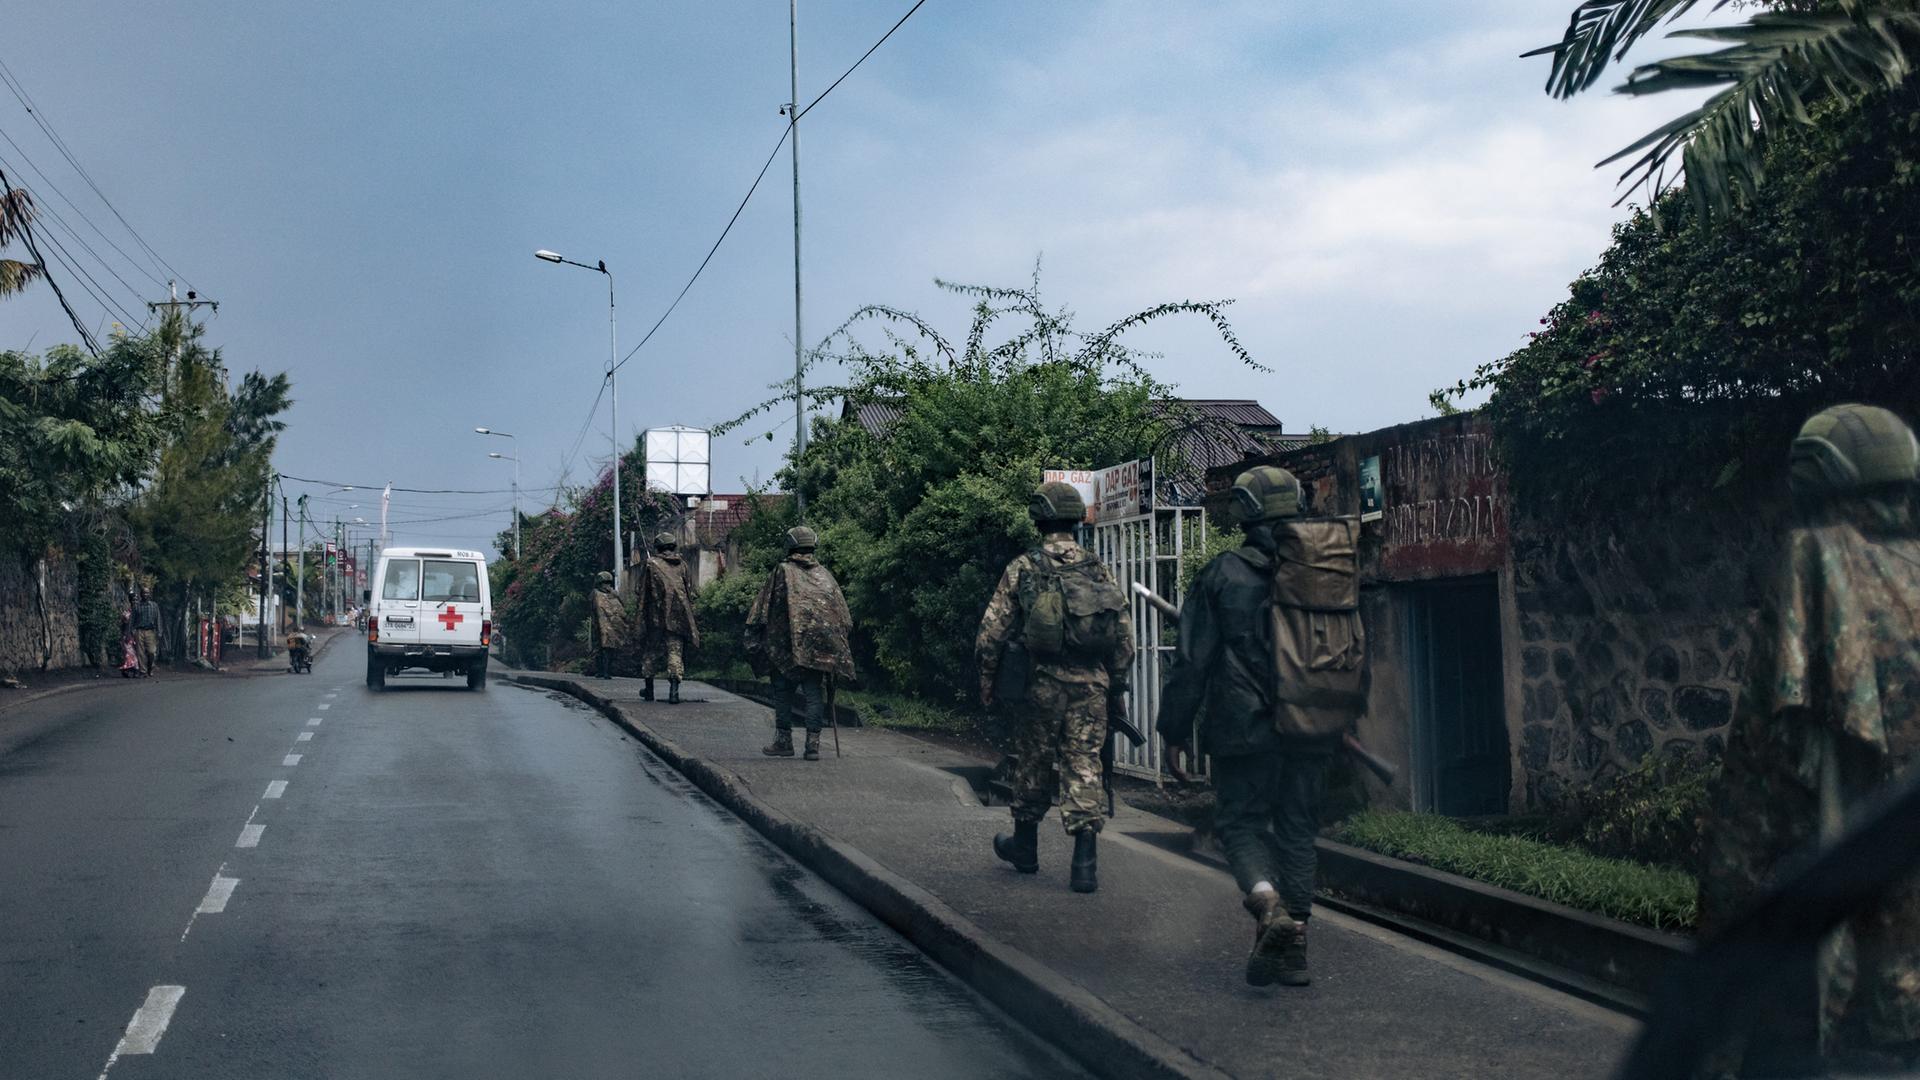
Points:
(609, 624)
(1831, 714)
(798, 634)
(129, 647)
(1272, 664)
(146, 629)
(664, 621)
(1055, 648)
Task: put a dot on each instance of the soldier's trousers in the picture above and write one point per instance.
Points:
(1267, 812)
(1064, 724)
(802, 696)
(603, 663)
(666, 657)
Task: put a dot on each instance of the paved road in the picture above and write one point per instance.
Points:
(291, 876)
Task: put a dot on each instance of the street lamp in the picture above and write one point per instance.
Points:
(613, 388)
(515, 458)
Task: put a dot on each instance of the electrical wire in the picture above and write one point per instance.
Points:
(755, 186)
(20, 92)
(566, 463)
(857, 63)
(54, 216)
(26, 237)
(412, 491)
(131, 261)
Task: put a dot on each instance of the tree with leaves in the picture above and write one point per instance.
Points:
(1773, 73)
(917, 520)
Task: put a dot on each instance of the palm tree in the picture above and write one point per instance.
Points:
(16, 210)
(1785, 58)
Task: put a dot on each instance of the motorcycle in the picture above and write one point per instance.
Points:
(299, 654)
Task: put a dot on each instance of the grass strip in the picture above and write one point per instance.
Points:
(1661, 898)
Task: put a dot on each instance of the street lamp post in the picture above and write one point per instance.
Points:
(516, 483)
(613, 393)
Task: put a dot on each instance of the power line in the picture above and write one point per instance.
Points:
(755, 186)
(131, 261)
(26, 102)
(857, 63)
(566, 463)
(411, 491)
(26, 237)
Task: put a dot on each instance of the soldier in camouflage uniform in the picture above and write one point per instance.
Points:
(609, 624)
(1831, 713)
(797, 632)
(1062, 710)
(664, 620)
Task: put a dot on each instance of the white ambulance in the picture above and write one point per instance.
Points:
(429, 608)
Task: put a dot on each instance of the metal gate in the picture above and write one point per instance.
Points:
(1148, 548)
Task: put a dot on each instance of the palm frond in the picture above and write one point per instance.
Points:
(1600, 32)
(1776, 65)
(16, 276)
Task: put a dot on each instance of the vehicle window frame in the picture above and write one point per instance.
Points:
(465, 564)
(386, 580)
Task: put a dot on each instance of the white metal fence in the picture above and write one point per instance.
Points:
(1148, 548)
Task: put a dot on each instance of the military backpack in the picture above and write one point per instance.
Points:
(1071, 612)
(1319, 644)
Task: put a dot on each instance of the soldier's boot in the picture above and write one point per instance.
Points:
(813, 747)
(1085, 856)
(673, 691)
(646, 689)
(782, 745)
(1022, 848)
(1293, 960)
(1273, 933)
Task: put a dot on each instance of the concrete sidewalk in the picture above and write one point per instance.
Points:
(1143, 977)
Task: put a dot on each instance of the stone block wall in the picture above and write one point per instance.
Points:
(1633, 639)
(33, 639)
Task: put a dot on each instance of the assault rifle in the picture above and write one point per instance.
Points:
(1375, 764)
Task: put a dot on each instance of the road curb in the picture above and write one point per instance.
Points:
(1054, 1007)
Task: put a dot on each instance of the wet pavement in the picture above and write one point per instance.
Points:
(447, 883)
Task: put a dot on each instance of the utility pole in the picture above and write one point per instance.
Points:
(793, 137)
(300, 570)
(283, 538)
(262, 647)
(173, 303)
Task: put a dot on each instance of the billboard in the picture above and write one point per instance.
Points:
(679, 460)
(1080, 480)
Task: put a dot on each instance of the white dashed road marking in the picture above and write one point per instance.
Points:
(313, 721)
(324, 706)
(250, 836)
(217, 896)
(290, 760)
(305, 736)
(275, 789)
(149, 1022)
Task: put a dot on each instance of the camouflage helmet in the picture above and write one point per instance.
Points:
(1849, 447)
(1056, 501)
(604, 577)
(664, 540)
(801, 538)
(1265, 493)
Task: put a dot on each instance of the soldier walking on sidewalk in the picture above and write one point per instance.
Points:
(146, 630)
(609, 624)
(1273, 656)
(664, 622)
(1055, 647)
(797, 632)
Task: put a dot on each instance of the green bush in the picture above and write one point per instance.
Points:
(1650, 814)
(1219, 542)
(1651, 896)
(722, 606)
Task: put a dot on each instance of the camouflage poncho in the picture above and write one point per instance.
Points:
(665, 603)
(609, 619)
(1832, 712)
(800, 621)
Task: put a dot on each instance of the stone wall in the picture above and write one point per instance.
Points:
(1633, 638)
(33, 639)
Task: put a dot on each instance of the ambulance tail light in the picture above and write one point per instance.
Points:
(373, 628)
(486, 631)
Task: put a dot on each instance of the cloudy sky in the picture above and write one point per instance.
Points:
(1383, 188)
